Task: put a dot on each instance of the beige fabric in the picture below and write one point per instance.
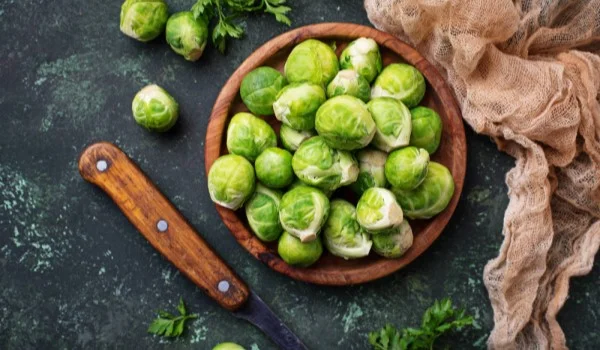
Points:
(527, 73)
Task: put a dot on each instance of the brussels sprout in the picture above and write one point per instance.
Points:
(297, 253)
(317, 164)
(348, 82)
(231, 181)
(143, 20)
(393, 123)
(274, 167)
(260, 88)
(262, 211)
(303, 211)
(402, 82)
(395, 243)
(342, 234)
(362, 55)
(311, 61)
(372, 170)
(249, 136)
(187, 35)
(154, 109)
(431, 197)
(377, 211)
(228, 346)
(291, 139)
(345, 123)
(240, 5)
(426, 129)
(297, 104)
(406, 168)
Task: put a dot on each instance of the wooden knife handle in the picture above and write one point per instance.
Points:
(157, 219)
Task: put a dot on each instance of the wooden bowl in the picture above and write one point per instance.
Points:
(331, 270)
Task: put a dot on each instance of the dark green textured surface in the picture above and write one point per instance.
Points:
(76, 274)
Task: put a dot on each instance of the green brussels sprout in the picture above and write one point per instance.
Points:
(297, 104)
(395, 243)
(348, 82)
(426, 129)
(342, 234)
(298, 253)
(371, 163)
(228, 346)
(431, 197)
(317, 164)
(303, 211)
(311, 61)
(143, 20)
(231, 181)
(154, 109)
(274, 168)
(187, 35)
(260, 88)
(377, 211)
(249, 136)
(262, 211)
(402, 82)
(240, 5)
(406, 168)
(362, 55)
(345, 123)
(291, 139)
(393, 122)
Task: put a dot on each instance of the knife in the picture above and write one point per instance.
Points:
(108, 167)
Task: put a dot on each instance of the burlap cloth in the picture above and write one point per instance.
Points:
(526, 73)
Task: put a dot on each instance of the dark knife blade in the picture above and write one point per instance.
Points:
(259, 314)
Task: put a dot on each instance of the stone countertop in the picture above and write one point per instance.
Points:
(75, 273)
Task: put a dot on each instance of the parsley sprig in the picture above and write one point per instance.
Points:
(439, 319)
(224, 15)
(169, 325)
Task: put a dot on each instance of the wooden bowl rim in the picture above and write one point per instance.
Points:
(346, 31)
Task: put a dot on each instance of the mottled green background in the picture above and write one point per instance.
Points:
(76, 274)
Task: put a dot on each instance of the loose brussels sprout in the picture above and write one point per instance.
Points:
(297, 253)
(291, 139)
(297, 104)
(393, 122)
(249, 136)
(317, 164)
(377, 211)
(372, 170)
(187, 35)
(362, 55)
(342, 234)
(406, 168)
(311, 61)
(426, 129)
(260, 88)
(274, 167)
(431, 197)
(143, 20)
(345, 123)
(231, 181)
(402, 82)
(228, 346)
(154, 109)
(303, 211)
(348, 82)
(395, 243)
(262, 211)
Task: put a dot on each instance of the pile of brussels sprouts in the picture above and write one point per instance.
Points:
(337, 131)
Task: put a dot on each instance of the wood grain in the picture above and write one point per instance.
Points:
(330, 270)
(144, 205)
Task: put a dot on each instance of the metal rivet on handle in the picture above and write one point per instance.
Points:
(162, 225)
(223, 286)
(102, 165)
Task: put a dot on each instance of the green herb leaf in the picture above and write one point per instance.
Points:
(169, 325)
(204, 9)
(274, 7)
